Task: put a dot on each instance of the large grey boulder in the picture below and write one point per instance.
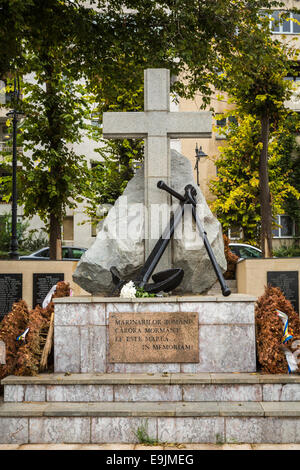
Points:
(126, 252)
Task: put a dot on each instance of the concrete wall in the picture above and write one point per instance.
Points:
(27, 268)
(251, 274)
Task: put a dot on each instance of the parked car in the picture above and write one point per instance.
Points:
(70, 253)
(242, 250)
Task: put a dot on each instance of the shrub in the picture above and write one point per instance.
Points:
(287, 251)
(24, 358)
(5, 232)
(28, 240)
(269, 330)
(34, 240)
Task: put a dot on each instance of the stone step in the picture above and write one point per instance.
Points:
(205, 387)
(211, 422)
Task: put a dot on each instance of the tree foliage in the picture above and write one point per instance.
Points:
(62, 42)
(236, 186)
(254, 76)
(271, 352)
(52, 175)
(192, 35)
(55, 120)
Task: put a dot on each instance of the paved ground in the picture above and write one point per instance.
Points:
(107, 447)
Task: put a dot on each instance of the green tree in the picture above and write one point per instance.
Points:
(236, 186)
(254, 76)
(52, 176)
(5, 232)
(12, 19)
(54, 120)
(75, 43)
(185, 36)
(190, 36)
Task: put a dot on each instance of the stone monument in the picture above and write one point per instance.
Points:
(156, 125)
(119, 361)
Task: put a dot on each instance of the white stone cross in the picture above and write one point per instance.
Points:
(156, 125)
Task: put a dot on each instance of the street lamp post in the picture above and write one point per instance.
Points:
(14, 114)
(199, 154)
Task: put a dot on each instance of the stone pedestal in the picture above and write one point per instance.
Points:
(104, 402)
(226, 333)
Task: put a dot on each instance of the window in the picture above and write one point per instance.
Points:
(285, 227)
(68, 228)
(232, 120)
(95, 120)
(235, 233)
(65, 253)
(223, 122)
(245, 251)
(43, 253)
(76, 253)
(288, 24)
(235, 250)
(249, 252)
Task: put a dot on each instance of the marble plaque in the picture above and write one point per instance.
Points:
(288, 283)
(154, 337)
(10, 292)
(42, 283)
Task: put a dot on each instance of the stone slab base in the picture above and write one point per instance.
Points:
(226, 333)
(170, 422)
(268, 410)
(186, 388)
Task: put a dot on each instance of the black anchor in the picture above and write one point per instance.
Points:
(169, 279)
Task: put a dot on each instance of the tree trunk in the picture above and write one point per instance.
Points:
(55, 238)
(264, 191)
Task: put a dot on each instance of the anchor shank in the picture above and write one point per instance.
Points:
(160, 247)
(225, 289)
